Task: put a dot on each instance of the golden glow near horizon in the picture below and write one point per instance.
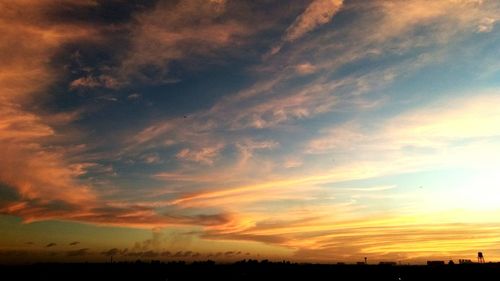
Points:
(327, 131)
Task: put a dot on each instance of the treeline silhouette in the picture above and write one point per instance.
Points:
(244, 270)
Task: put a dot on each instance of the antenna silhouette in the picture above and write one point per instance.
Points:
(480, 257)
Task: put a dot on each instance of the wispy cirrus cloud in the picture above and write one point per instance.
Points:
(185, 30)
(204, 155)
(316, 14)
(436, 127)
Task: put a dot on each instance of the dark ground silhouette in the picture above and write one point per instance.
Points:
(245, 270)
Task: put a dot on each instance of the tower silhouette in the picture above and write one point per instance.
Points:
(480, 257)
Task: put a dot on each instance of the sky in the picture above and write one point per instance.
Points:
(305, 130)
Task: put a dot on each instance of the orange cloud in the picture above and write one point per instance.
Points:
(179, 31)
(318, 13)
(204, 155)
(28, 41)
(93, 82)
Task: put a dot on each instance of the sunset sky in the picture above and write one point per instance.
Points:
(306, 130)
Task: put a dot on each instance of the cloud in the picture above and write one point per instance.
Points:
(407, 242)
(150, 254)
(145, 217)
(271, 103)
(78, 253)
(204, 155)
(301, 104)
(248, 146)
(74, 243)
(305, 68)
(152, 158)
(134, 96)
(114, 252)
(249, 142)
(178, 254)
(318, 13)
(450, 18)
(435, 127)
(138, 215)
(449, 127)
(32, 165)
(185, 30)
(103, 81)
(325, 239)
(487, 25)
(50, 245)
(292, 163)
